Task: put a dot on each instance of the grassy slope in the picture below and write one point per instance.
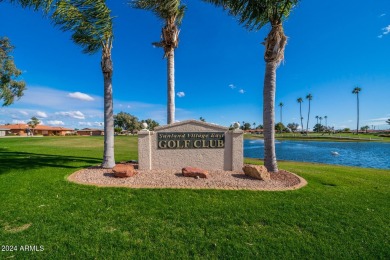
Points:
(342, 213)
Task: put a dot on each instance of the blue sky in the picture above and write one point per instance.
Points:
(333, 46)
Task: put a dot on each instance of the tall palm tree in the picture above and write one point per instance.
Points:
(91, 24)
(254, 14)
(320, 120)
(172, 13)
(317, 119)
(356, 91)
(308, 97)
(300, 100)
(326, 121)
(281, 114)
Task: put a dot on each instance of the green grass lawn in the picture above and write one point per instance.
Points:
(343, 212)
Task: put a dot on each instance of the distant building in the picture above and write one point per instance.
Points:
(3, 131)
(25, 130)
(90, 132)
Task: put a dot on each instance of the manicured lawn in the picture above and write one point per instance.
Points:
(343, 212)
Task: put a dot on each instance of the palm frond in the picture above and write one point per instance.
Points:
(254, 14)
(89, 20)
(164, 9)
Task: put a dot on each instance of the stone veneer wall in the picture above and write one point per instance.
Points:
(229, 158)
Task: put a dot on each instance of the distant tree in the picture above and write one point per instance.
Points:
(246, 126)
(356, 91)
(308, 97)
(317, 118)
(300, 100)
(118, 130)
(365, 128)
(151, 123)
(260, 126)
(388, 121)
(10, 86)
(320, 120)
(319, 128)
(202, 119)
(254, 125)
(279, 127)
(126, 121)
(326, 121)
(172, 13)
(281, 111)
(346, 130)
(33, 123)
(293, 127)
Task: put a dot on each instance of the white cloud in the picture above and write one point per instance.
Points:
(85, 123)
(385, 30)
(81, 96)
(73, 114)
(181, 94)
(18, 122)
(232, 86)
(55, 122)
(382, 15)
(101, 124)
(241, 91)
(41, 114)
(23, 112)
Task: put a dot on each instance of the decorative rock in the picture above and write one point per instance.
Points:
(194, 172)
(124, 170)
(257, 171)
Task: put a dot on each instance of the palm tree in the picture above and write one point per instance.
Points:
(91, 24)
(356, 91)
(326, 121)
(254, 14)
(317, 118)
(281, 108)
(172, 13)
(320, 120)
(308, 97)
(300, 100)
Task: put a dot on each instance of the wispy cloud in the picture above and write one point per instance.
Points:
(55, 122)
(18, 121)
(232, 86)
(41, 114)
(81, 96)
(381, 15)
(23, 112)
(385, 31)
(73, 114)
(241, 91)
(181, 94)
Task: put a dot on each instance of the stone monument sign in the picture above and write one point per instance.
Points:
(191, 143)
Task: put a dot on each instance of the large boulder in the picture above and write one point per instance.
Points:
(124, 170)
(194, 172)
(257, 171)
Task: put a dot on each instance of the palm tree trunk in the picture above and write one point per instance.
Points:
(171, 87)
(308, 116)
(357, 126)
(300, 112)
(269, 117)
(108, 157)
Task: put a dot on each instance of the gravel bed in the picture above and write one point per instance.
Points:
(283, 180)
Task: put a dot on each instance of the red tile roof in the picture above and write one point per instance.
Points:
(38, 127)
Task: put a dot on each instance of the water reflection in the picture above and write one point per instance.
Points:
(360, 154)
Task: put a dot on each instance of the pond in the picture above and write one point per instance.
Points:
(359, 154)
